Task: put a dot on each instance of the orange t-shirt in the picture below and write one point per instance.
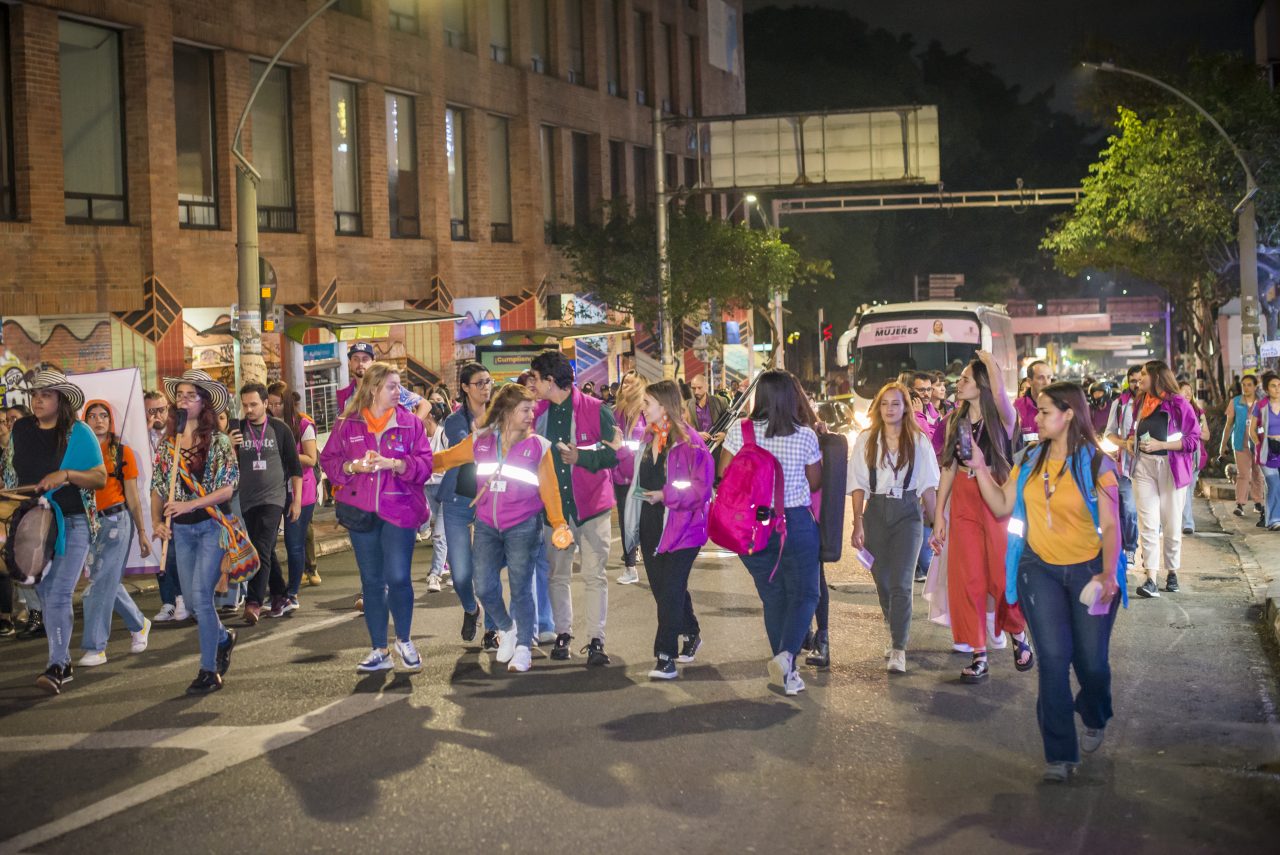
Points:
(1071, 539)
(113, 492)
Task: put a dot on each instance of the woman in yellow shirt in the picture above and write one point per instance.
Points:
(1064, 558)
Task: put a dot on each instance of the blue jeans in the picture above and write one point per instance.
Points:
(435, 527)
(200, 566)
(384, 556)
(545, 620)
(792, 596)
(458, 519)
(57, 584)
(1188, 521)
(1272, 477)
(107, 557)
(167, 579)
(516, 548)
(1128, 516)
(926, 553)
(295, 547)
(1066, 637)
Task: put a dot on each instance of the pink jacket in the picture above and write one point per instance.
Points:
(1183, 421)
(686, 497)
(397, 499)
(624, 472)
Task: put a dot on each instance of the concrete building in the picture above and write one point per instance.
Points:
(413, 154)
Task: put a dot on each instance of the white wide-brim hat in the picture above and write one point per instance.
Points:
(201, 380)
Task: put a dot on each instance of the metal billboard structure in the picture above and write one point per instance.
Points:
(895, 145)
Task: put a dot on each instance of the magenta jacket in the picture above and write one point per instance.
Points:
(686, 497)
(632, 441)
(397, 499)
(1182, 420)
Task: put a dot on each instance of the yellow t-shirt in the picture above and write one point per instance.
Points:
(1072, 539)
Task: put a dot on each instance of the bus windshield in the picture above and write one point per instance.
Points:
(887, 345)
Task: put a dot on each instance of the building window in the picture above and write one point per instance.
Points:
(402, 167)
(617, 169)
(539, 36)
(92, 123)
(357, 8)
(457, 24)
(641, 22)
(667, 67)
(193, 118)
(690, 173)
(613, 47)
(455, 153)
(547, 136)
(577, 52)
(496, 134)
(499, 31)
(273, 150)
(404, 15)
(582, 200)
(644, 177)
(346, 158)
(8, 206)
(692, 100)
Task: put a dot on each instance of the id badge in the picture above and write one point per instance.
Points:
(259, 466)
(497, 486)
(895, 492)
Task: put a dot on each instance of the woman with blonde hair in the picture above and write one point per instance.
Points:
(893, 470)
(516, 485)
(629, 411)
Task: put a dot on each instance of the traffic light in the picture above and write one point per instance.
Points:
(826, 332)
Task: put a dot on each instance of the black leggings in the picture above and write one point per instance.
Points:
(824, 601)
(668, 574)
(6, 593)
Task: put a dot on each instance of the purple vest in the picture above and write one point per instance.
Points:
(632, 442)
(592, 491)
(508, 488)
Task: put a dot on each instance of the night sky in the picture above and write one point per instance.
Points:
(1033, 42)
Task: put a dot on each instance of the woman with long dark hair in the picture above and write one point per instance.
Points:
(282, 403)
(629, 411)
(1264, 427)
(1162, 440)
(207, 476)
(1065, 567)
(893, 469)
(975, 555)
(789, 595)
(62, 457)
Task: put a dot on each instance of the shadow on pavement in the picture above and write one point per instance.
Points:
(715, 717)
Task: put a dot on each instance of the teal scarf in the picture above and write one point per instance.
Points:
(83, 452)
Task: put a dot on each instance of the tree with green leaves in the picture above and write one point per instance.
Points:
(616, 260)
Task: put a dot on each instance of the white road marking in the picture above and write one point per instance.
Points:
(245, 743)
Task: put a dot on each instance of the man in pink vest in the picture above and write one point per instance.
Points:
(1040, 375)
(577, 426)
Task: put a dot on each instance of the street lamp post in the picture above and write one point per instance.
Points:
(250, 366)
(750, 200)
(1247, 228)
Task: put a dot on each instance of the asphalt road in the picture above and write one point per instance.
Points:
(298, 753)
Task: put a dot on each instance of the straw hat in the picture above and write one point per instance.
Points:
(49, 380)
(201, 380)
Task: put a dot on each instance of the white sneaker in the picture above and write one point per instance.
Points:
(1091, 740)
(180, 610)
(93, 657)
(410, 659)
(377, 660)
(630, 576)
(433, 583)
(547, 637)
(793, 685)
(780, 666)
(897, 662)
(521, 659)
(141, 637)
(165, 614)
(506, 644)
(888, 651)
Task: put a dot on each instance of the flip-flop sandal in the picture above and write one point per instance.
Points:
(1020, 647)
(977, 670)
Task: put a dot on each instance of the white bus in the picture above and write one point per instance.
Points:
(930, 335)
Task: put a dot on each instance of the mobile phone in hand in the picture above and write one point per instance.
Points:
(964, 443)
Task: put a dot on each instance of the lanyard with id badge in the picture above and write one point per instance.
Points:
(898, 489)
(259, 465)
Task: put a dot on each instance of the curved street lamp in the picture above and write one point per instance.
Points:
(1246, 230)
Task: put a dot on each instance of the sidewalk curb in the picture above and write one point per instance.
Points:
(1263, 584)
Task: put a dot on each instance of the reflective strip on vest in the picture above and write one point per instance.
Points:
(593, 447)
(632, 444)
(486, 468)
(1017, 527)
(1174, 437)
(682, 485)
(518, 474)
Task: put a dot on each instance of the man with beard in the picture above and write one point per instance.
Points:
(359, 357)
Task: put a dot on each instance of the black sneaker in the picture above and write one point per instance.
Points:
(54, 678)
(490, 639)
(469, 621)
(807, 644)
(595, 653)
(224, 652)
(664, 670)
(1171, 583)
(7, 628)
(34, 627)
(821, 655)
(1257, 506)
(1262, 523)
(204, 683)
(1148, 589)
(1239, 511)
(692, 644)
(921, 577)
(561, 649)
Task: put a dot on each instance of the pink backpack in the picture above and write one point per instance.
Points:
(748, 506)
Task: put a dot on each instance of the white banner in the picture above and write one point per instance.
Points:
(122, 389)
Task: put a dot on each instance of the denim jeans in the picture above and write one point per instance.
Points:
(167, 579)
(295, 547)
(546, 619)
(1272, 477)
(106, 592)
(1188, 521)
(384, 556)
(1066, 637)
(925, 557)
(791, 597)
(516, 548)
(458, 519)
(57, 584)
(200, 566)
(1128, 516)
(435, 527)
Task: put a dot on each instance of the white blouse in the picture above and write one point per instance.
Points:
(924, 476)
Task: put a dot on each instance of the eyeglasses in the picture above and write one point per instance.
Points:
(482, 383)
(157, 411)
(188, 396)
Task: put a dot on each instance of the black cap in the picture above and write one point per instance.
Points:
(361, 347)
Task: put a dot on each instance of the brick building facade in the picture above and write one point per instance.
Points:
(100, 275)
